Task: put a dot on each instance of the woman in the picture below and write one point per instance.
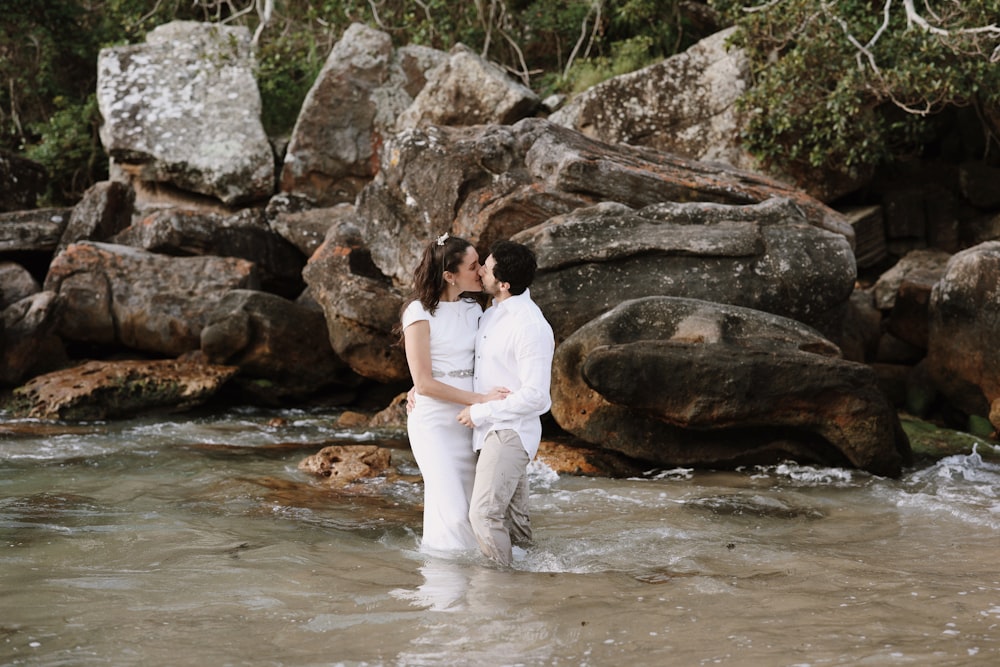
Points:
(439, 332)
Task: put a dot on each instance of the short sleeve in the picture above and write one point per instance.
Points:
(415, 312)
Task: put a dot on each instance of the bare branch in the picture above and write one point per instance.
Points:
(579, 43)
(761, 8)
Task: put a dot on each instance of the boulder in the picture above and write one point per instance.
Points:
(686, 382)
(903, 293)
(343, 464)
(99, 390)
(117, 295)
(764, 256)
(685, 104)
(353, 104)
(360, 304)
(36, 230)
(184, 109)
(280, 347)
(466, 89)
(27, 340)
(16, 283)
(247, 235)
(962, 351)
(104, 210)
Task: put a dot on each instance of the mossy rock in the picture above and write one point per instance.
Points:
(930, 441)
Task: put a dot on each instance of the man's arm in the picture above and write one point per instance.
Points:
(534, 349)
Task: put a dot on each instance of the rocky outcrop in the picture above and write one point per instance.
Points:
(113, 294)
(611, 216)
(688, 382)
(764, 256)
(113, 389)
(184, 109)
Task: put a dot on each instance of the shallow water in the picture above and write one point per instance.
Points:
(196, 541)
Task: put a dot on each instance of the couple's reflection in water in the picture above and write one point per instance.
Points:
(459, 583)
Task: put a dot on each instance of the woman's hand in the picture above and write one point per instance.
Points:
(495, 394)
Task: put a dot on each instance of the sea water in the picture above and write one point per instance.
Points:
(195, 540)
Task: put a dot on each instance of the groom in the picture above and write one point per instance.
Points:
(514, 349)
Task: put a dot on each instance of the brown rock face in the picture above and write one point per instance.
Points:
(343, 464)
(686, 382)
(113, 294)
(113, 389)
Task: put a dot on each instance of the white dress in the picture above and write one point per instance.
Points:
(441, 446)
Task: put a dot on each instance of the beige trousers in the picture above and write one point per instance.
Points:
(498, 510)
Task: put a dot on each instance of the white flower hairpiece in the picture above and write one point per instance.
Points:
(442, 238)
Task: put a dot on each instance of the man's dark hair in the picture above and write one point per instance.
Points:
(515, 264)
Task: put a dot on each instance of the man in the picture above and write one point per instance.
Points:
(514, 348)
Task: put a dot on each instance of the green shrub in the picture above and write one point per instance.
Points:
(845, 85)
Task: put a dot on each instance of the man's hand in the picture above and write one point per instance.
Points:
(465, 418)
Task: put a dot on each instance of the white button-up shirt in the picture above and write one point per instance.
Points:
(514, 348)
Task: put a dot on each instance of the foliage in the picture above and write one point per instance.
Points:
(855, 83)
(69, 147)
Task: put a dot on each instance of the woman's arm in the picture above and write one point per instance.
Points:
(417, 343)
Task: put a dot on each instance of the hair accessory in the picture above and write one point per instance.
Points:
(442, 238)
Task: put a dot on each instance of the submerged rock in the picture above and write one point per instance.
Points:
(343, 464)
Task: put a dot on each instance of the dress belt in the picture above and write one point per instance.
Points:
(453, 374)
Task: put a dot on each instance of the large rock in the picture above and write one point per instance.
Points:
(247, 235)
(354, 103)
(764, 256)
(16, 283)
(686, 382)
(111, 389)
(904, 292)
(36, 230)
(280, 347)
(962, 353)
(112, 294)
(360, 304)
(27, 340)
(685, 104)
(185, 109)
(104, 210)
(466, 89)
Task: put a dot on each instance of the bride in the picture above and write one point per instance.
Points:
(439, 328)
